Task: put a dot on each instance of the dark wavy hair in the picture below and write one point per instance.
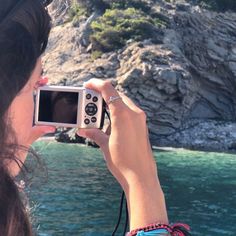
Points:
(24, 31)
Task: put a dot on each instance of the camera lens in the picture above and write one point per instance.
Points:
(88, 96)
(91, 109)
(95, 99)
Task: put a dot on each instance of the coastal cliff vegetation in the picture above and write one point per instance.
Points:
(175, 58)
(116, 27)
(146, 5)
(123, 20)
(119, 22)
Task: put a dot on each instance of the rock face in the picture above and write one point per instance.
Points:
(58, 11)
(186, 84)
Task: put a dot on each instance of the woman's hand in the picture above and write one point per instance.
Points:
(25, 133)
(38, 131)
(127, 150)
(129, 156)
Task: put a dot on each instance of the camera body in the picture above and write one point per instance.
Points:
(63, 106)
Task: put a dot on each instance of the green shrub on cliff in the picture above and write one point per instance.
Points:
(92, 5)
(124, 4)
(115, 27)
(96, 54)
(76, 11)
(102, 5)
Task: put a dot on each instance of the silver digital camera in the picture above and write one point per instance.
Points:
(64, 106)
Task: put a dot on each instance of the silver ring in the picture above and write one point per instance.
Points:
(113, 99)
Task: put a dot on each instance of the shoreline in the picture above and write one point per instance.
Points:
(170, 149)
(154, 147)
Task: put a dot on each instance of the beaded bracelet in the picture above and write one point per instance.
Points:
(177, 229)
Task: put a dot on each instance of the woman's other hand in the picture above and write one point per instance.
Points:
(38, 131)
(21, 118)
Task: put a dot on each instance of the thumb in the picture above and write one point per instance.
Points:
(99, 137)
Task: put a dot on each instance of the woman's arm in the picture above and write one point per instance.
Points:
(146, 203)
(129, 157)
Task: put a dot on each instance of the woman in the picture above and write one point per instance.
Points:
(24, 30)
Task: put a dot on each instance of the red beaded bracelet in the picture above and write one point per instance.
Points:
(177, 229)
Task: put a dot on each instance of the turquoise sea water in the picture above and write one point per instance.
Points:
(80, 196)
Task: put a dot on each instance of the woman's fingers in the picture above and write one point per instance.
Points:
(100, 138)
(130, 103)
(43, 81)
(107, 91)
(118, 106)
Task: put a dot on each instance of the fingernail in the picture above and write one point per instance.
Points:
(43, 81)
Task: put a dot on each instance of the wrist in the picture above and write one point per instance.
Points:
(146, 180)
(146, 202)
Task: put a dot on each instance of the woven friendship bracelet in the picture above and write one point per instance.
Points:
(177, 229)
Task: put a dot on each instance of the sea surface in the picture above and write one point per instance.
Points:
(80, 196)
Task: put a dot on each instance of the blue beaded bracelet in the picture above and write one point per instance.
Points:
(157, 232)
(178, 229)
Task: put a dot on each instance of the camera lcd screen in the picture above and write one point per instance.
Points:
(58, 107)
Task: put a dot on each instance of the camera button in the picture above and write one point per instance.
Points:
(86, 121)
(88, 96)
(91, 109)
(94, 119)
(95, 99)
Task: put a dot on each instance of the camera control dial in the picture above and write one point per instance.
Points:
(91, 109)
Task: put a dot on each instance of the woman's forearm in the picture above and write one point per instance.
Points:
(146, 203)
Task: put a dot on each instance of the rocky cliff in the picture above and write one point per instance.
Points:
(185, 80)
